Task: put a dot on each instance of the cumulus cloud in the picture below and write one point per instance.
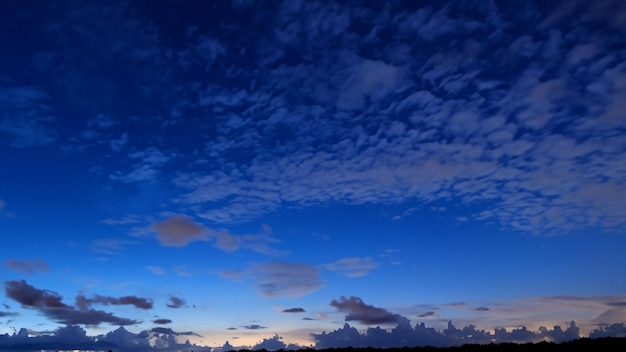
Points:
(27, 266)
(50, 304)
(352, 267)
(419, 335)
(285, 279)
(366, 314)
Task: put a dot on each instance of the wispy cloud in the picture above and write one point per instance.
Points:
(285, 279)
(156, 270)
(25, 118)
(27, 266)
(353, 266)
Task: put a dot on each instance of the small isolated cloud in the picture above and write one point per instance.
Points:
(234, 275)
(27, 266)
(359, 311)
(156, 270)
(111, 246)
(231, 328)
(7, 314)
(119, 144)
(308, 319)
(162, 321)
(352, 267)
(146, 167)
(182, 271)
(175, 302)
(253, 327)
(137, 302)
(426, 314)
(294, 310)
(482, 309)
(285, 279)
(179, 231)
(168, 331)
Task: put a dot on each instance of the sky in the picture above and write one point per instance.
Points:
(311, 173)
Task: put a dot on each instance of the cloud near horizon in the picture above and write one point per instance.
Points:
(366, 314)
(50, 304)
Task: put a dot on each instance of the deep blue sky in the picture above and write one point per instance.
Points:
(247, 170)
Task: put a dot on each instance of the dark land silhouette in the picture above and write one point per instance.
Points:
(604, 344)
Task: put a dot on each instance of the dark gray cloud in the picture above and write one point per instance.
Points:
(168, 331)
(426, 314)
(137, 302)
(162, 321)
(366, 314)
(72, 316)
(29, 296)
(7, 314)
(175, 302)
(482, 309)
(294, 310)
(253, 327)
(49, 304)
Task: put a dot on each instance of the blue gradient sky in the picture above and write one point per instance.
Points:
(230, 171)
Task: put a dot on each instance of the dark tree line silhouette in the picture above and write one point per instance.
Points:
(604, 344)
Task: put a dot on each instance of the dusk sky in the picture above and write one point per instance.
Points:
(267, 171)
